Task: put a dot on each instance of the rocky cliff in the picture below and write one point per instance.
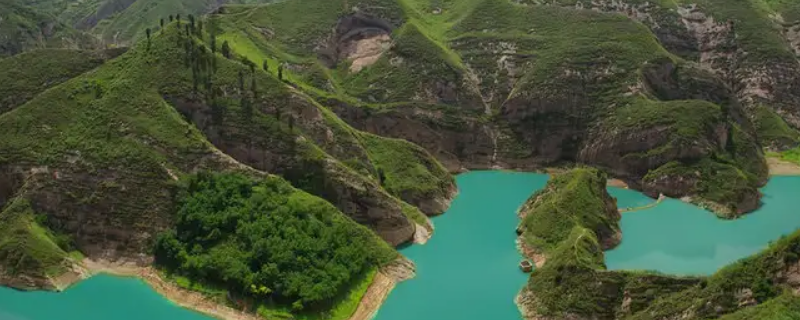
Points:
(661, 96)
(97, 170)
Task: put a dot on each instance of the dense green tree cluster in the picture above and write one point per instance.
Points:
(265, 240)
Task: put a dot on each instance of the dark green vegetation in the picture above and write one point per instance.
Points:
(574, 282)
(265, 240)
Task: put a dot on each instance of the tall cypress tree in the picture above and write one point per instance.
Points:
(148, 31)
(241, 82)
(212, 31)
(226, 50)
(253, 88)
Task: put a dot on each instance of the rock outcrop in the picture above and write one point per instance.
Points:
(503, 101)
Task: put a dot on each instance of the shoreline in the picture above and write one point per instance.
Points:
(779, 167)
(379, 289)
(183, 298)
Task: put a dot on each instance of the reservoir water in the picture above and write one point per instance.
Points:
(101, 297)
(468, 270)
(679, 238)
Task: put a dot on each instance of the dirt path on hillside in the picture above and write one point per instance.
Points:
(778, 167)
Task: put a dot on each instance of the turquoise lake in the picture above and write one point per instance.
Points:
(101, 297)
(468, 270)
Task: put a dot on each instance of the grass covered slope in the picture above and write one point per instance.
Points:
(266, 242)
(489, 83)
(23, 27)
(28, 74)
(573, 282)
(130, 23)
(264, 123)
(99, 154)
(784, 307)
(576, 198)
(29, 253)
(410, 173)
(571, 211)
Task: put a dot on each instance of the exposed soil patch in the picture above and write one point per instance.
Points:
(365, 52)
(778, 167)
(359, 38)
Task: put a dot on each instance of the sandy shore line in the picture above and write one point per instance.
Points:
(778, 167)
(617, 183)
(376, 294)
(383, 283)
(184, 298)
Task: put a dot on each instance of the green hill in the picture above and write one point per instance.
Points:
(573, 282)
(365, 108)
(23, 27)
(493, 83)
(28, 74)
(111, 142)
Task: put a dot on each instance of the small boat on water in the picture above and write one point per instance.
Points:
(526, 266)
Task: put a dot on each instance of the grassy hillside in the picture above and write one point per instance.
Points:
(99, 153)
(762, 278)
(28, 74)
(573, 199)
(784, 307)
(124, 21)
(523, 79)
(29, 252)
(23, 27)
(574, 282)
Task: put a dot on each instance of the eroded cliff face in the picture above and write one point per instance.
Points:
(307, 167)
(503, 104)
(107, 190)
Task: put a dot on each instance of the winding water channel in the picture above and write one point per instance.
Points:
(468, 270)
